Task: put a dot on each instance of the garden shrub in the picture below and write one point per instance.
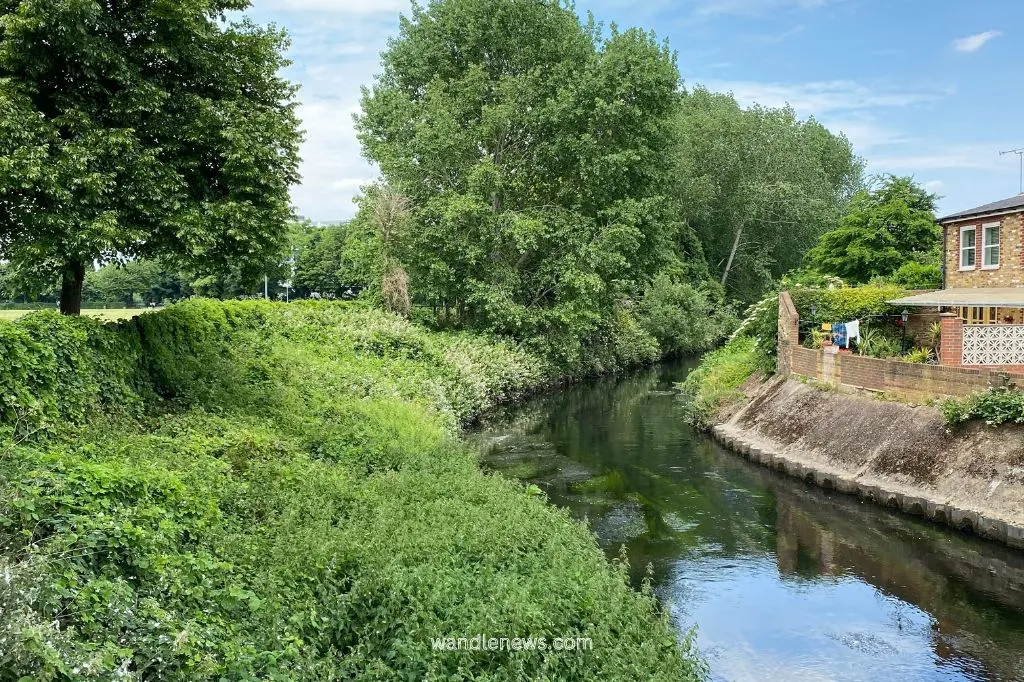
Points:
(845, 304)
(996, 406)
(291, 505)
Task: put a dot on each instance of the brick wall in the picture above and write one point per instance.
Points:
(789, 333)
(807, 362)
(1011, 256)
(919, 325)
(902, 379)
(951, 347)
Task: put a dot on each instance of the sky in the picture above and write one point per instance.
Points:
(927, 88)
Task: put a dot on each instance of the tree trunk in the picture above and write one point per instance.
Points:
(71, 288)
(732, 254)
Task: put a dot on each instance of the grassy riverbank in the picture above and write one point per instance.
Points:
(242, 490)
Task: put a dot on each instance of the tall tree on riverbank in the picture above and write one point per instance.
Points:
(141, 129)
(759, 186)
(531, 150)
(888, 228)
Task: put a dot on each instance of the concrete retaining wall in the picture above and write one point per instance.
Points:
(965, 480)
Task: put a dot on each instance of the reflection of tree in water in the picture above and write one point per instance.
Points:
(616, 453)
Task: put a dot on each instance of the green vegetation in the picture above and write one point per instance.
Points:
(252, 490)
(141, 130)
(889, 230)
(846, 303)
(997, 406)
(715, 383)
(105, 314)
(759, 186)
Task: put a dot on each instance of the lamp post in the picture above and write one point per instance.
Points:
(906, 318)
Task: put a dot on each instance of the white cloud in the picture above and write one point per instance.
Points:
(822, 97)
(975, 42)
(333, 167)
(712, 8)
(934, 186)
(335, 48)
(976, 156)
(337, 6)
(864, 131)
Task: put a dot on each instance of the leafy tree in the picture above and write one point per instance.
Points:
(150, 280)
(887, 226)
(684, 318)
(334, 258)
(141, 129)
(530, 149)
(758, 186)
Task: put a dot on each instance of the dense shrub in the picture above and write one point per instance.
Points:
(1001, 405)
(294, 506)
(683, 318)
(761, 323)
(57, 370)
(912, 275)
(844, 304)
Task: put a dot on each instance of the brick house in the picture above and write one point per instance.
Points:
(982, 299)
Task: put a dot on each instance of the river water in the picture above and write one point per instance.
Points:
(783, 581)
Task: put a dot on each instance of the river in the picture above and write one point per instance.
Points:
(782, 580)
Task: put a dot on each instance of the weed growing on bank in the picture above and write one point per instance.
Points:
(247, 490)
(715, 383)
(995, 407)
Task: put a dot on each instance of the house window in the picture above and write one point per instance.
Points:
(990, 246)
(968, 247)
(979, 315)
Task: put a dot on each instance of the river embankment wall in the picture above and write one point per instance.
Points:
(893, 454)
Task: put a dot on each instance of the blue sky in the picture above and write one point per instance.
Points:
(927, 88)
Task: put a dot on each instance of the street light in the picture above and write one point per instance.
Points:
(903, 343)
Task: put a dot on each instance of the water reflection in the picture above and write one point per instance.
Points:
(784, 581)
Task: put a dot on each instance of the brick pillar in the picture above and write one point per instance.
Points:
(951, 348)
(789, 333)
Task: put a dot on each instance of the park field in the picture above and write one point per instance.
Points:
(105, 314)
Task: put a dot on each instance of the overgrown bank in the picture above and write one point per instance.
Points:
(245, 490)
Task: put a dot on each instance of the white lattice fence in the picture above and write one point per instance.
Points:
(994, 344)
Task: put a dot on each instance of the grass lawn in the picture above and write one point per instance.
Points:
(108, 314)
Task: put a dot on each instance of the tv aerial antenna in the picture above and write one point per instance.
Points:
(1019, 153)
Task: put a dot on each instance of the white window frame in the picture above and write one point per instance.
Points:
(965, 249)
(986, 247)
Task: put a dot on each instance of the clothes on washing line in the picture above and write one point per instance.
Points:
(839, 336)
(853, 331)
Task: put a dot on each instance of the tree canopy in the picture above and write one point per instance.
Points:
(889, 228)
(530, 148)
(141, 130)
(758, 186)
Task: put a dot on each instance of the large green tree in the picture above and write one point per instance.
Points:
(888, 228)
(758, 185)
(531, 151)
(141, 128)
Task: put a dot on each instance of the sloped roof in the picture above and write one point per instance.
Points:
(983, 297)
(995, 207)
